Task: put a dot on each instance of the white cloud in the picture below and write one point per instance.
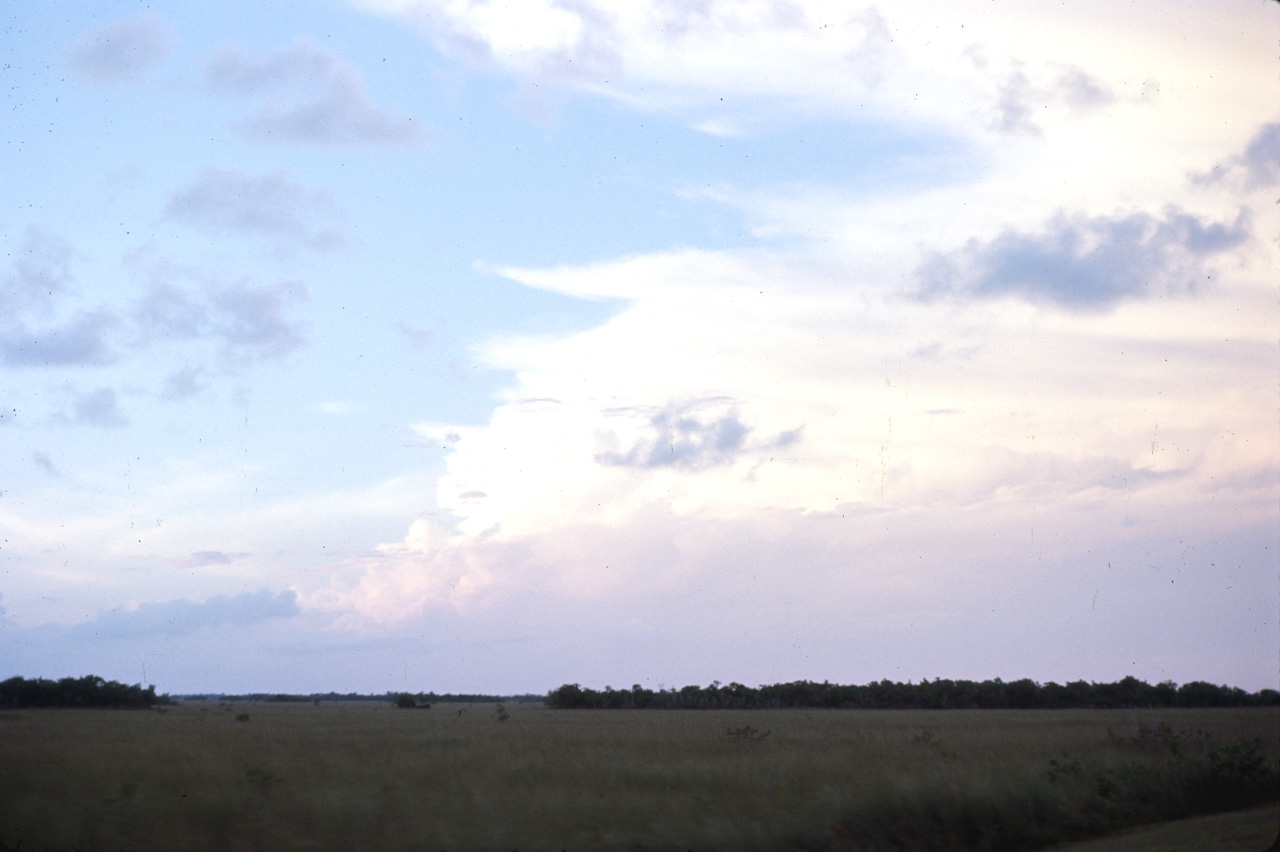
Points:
(818, 416)
(826, 404)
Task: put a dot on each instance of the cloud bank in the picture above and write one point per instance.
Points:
(183, 617)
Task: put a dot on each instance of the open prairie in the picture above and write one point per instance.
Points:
(352, 776)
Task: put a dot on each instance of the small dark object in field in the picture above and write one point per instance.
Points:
(503, 715)
(746, 734)
(243, 717)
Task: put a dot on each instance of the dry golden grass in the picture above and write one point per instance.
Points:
(370, 776)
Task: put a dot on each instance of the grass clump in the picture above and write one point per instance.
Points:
(746, 734)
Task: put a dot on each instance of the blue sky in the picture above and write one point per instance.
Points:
(458, 346)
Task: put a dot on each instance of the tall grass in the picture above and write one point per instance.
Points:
(361, 776)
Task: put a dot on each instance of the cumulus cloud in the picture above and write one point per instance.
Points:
(99, 408)
(690, 436)
(876, 60)
(1082, 91)
(272, 205)
(306, 94)
(1261, 159)
(181, 617)
(1021, 103)
(46, 464)
(252, 321)
(39, 273)
(763, 414)
(39, 323)
(83, 339)
(249, 322)
(1257, 166)
(120, 51)
(1015, 106)
(187, 382)
(1087, 262)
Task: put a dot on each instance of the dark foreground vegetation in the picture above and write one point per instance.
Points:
(203, 776)
(87, 691)
(938, 694)
(1159, 775)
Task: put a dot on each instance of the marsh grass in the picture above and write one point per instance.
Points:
(367, 776)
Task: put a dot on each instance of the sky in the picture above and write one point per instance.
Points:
(485, 346)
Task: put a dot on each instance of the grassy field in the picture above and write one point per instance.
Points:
(366, 776)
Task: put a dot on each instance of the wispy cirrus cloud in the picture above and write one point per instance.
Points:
(275, 206)
(305, 94)
(119, 52)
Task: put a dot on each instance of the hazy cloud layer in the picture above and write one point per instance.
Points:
(214, 557)
(274, 205)
(306, 94)
(180, 617)
(120, 51)
(1087, 262)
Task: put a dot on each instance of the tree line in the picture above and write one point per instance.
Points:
(393, 697)
(87, 691)
(939, 694)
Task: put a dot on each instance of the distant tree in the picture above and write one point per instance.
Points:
(87, 691)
